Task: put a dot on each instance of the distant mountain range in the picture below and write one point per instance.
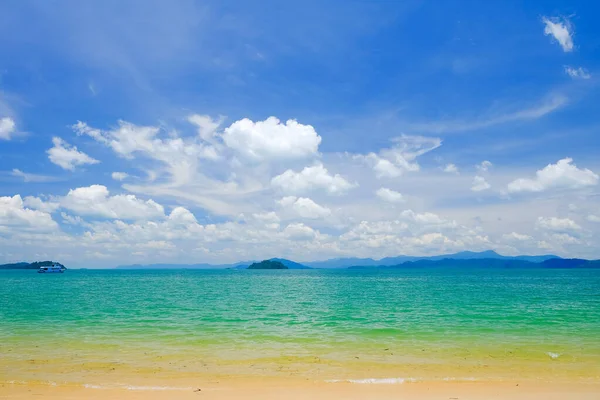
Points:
(483, 259)
(463, 255)
(491, 257)
(490, 263)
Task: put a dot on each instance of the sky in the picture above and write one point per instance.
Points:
(222, 131)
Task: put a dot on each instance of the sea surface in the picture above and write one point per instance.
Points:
(170, 328)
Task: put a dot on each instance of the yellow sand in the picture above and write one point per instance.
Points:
(292, 389)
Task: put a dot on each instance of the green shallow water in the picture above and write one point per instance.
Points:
(439, 324)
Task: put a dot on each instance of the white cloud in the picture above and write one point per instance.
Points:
(561, 31)
(207, 127)
(95, 200)
(562, 175)
(271, 139)
(7, 128)
(305, 207)
(451, 169)
(394, 161)
(269, 220)
(27, 177)
(311, 178)
(412, 233)
(14, 216)
(479, 184)
(549, 104)
(72, 220)
(557, 224)
(67, 156)
(299, 231)
(593, 218)
(518, 237)
(389, 195)
(577, 73)
(181, 157)
(384, 168)
(426, 218)
(119, 176)
(38, 204)
(564, 238)
(484, 166)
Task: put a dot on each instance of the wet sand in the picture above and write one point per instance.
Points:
(296, 390)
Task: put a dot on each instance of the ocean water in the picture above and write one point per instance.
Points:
(172, 328)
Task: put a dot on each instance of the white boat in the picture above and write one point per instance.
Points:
(54, 268)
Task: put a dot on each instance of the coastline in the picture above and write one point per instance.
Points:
(293, 389)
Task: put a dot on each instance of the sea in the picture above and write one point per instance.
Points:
(174, 328)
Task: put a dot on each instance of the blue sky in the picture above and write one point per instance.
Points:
(138, 131)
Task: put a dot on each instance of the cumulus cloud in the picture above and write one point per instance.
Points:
(557, 224)
(593, 218)
(67, 156)
(36, 203)
(479, 184)
(96, 201)
(304, 207)
(394, 161)
(413, 233)
(484, 166)
(311, 178)
(516, 237)
(269, 219)
(389, 195)
(577, 73)
(451, 169)
(15, 216)
(560, 30)
(271, 139)
(562, 175)
(299, 231)
(179, 156)
(119, 176)
(7, 128)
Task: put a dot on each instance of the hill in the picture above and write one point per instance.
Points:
(267, 264)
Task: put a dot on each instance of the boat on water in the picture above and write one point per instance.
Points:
(52, 269)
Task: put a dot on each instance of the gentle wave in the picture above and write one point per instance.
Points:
(552, 355)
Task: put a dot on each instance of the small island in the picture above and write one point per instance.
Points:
(267, 264)
(33, 265)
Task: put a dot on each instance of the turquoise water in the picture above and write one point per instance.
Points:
(321, 324)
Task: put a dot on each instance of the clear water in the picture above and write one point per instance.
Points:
(92, 326)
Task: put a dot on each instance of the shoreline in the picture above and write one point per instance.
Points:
(293, 388)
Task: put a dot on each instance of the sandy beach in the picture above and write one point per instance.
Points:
(296, 390)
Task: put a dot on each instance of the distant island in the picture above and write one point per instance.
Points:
(473, 259)
(33, 265)
(268, 264)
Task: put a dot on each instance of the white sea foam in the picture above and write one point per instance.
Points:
(375, 381)
(88, 386)
(553, 355)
